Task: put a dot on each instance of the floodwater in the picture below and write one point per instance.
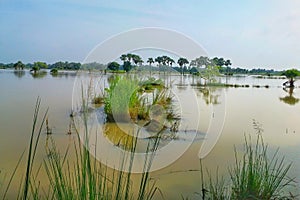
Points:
(215, 119)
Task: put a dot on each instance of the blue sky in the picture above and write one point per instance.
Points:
(256, 33)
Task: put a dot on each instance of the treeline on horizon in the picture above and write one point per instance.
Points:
(133, 61)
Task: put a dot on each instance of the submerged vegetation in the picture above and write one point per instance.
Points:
(129, 99)
(84, 178)
(255, 175)
(149, 103)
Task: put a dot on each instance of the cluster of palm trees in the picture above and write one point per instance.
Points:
(164, 60)
(131, 57)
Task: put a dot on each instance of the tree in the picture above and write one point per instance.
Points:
(291, 74)
(159, 60)
(218, 61)
(182, 62)
(37, 66)
(170, 61)
(113, 66)
(19, 66)
(150, 61)
(54, 71)
(123, 57)
(227, 64)
(129, 57)
(209, 73)
(136, 59)
(127, 66)
(200, 62)
(165, 60)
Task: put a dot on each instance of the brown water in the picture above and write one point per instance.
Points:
(278, 112)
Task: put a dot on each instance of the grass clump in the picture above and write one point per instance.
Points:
(127, 99)
(150, 84)
(255, 176)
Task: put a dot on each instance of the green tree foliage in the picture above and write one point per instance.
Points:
(127, 58)
(19, 66)
(218, 61)
(113, 66)
(200, 62)
(159, 60)
(227, 63)
(66, 65)
(127, 66)
(182, 62)
(54, 71)
(123, 57)
(38, 65)
(136, 59)
(150, 61)
(291, 74)
(165, 60)
(93, 65)
(170, 61)
(209, 73)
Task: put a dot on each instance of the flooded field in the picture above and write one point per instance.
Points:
(224, 113)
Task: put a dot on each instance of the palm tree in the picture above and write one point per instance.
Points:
(227, 64)
(136, 59)
(150, 61)
(165, 60)
(123, 57)
(159, 60)
(170, 61)
(181, 62)
(130, 57)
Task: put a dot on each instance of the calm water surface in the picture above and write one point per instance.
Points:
(278, 112)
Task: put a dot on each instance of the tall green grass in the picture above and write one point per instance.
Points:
(89, 179)
(128, 98)
(255, 175)
(259, 176)
(82, 177)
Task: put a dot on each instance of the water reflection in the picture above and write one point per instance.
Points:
(289, 99)
(117, 136)
(65, 74)
(19, 73)
(40, 74)
(209, 94)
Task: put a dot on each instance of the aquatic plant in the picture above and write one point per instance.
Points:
(125, 100)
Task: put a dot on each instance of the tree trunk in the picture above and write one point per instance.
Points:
(292, 83)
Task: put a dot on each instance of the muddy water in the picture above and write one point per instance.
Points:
(228, 113)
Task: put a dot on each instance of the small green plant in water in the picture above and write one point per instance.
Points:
(254, 176)
(126, 99)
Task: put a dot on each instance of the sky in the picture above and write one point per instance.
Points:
(251, 33)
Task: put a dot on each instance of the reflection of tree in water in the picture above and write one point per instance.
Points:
(289, 99)
(209, 94)
(183, 83)
(40, 74)
(19, 73)
(118, 137)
